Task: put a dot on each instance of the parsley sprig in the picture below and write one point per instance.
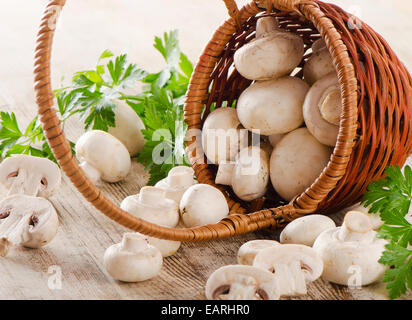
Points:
(391, 198)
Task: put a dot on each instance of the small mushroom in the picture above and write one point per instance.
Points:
(352, 244)
(26, 221)
(295, 163)
(222, 135)
(251, 173)
(178, 180)
(306, 229)
(103, 156)
(132, 260)
(274, 106)
(203, 204)
(294, 266)
(248, 251)
(319, 64)
(322, 109)
(152, 205)
(274, 52)
(128, 127)
(33, 176)
(238, 282)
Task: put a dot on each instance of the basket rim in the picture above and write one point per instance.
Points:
(233, 224)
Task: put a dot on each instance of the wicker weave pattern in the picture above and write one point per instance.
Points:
(371, 136)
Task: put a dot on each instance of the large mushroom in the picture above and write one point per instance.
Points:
(222, 135)
(274, 52)
(102, 156)
(319, 64)
(294, 266)
(295, 163)
(128, 128)
(248, 251)
(239, 282)
(33, 176)
(322, 109)
(354, 244)
(26, 221)
(274, 106)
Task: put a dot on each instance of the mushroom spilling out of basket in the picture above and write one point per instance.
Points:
(300, 112)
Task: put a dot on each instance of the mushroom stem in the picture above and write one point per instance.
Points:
(291, 278)
(266, 25)
(150, 195)
(91, 172)
(133, 242)
(224, 173)
(11, 233)
(330, 105)
(356, 227)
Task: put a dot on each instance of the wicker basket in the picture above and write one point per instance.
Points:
(375, 125)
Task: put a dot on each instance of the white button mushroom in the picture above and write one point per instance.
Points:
(128, 127)
(322, 109)
(26, 221)
(203, 204)
(152, 205)
(238, 282)
(33, 176)
(102, 156)
(274, 106)
(375, 217)
(133, 260)
(178, 180)
(248, 251)
(319, 64)
(306, 229)
(222, 135)
(251, 173)
(295, 163)
(351, 248)
(274, 52)
(294, 266)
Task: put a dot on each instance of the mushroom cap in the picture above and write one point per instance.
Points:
(152, 205)
(340, 257)
(166, 247)
(128, 127)
(274, 106)
(272, 55)
(105, 153)
(321, 129)
(309, 260)
(319, 64)
(35, 176)
(275, 138)
(295, 163)
(248, 251)
(239, 282)
(306, 229)
(176, 183)
(28, 221)
(251, 173)
(203, 204)
(222, 136)
(132, 260)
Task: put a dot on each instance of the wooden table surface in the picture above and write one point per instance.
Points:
(87, 28)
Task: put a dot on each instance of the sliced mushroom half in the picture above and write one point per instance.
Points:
(33, 176)
(238, 282)
(293, 265)
(26, 221)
